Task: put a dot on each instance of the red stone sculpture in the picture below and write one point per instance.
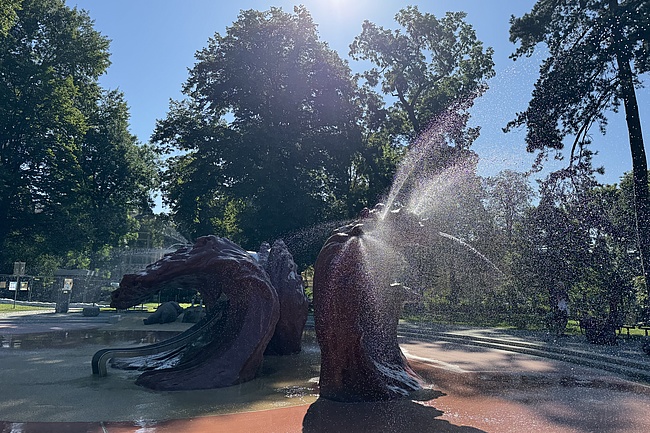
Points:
(356, 316)
(294, 305)
(229, 343)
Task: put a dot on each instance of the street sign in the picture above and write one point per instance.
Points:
(15, 286)
(67, 285)
(24, 285)
(19, 268)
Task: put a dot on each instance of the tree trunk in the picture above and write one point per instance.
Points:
(639, 162)
(641, 195)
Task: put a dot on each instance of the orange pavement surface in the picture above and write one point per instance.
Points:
(471, 390)
(458, 402)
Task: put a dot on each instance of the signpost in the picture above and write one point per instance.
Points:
(19, 271)
(63, 299)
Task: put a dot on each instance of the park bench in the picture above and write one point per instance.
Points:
(627, 328)
(645, 327)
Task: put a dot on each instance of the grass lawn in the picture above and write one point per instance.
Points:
(148, 307)
(7, 308)
(151, 306)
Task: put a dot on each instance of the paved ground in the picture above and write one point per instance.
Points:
(47, 387)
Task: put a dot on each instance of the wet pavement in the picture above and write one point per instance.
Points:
(47, 386)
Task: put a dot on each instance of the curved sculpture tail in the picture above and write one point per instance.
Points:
(228, 347)
(163, 349)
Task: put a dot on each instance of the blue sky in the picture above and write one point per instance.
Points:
(154, 41)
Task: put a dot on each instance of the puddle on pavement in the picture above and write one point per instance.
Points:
(82, 337)
(64, 357)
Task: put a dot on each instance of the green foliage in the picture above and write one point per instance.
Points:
(70, 173)
(508, 198)
(427, 69)
(578, 241)
(427, 66)
(268, 131)
(597, 51)
(275, 137)
(8, 15)
(579, 81)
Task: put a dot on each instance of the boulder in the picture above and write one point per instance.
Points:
(193, 314)
(90, 311)
(167, 312)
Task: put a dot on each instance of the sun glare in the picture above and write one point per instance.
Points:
(340, 11)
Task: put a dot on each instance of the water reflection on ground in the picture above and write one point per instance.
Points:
(52, 372)
(82, 337)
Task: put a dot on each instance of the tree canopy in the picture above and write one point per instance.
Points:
(71, 173)
(427, 66)
(424, 78)
(597, 51)
(8, 16)
(267, 132)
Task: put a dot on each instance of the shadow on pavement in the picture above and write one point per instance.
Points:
(403, 416)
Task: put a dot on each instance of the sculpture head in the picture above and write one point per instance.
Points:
(357, 305)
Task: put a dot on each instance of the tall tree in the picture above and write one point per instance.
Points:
(269, 127)
(66, 157)
(119, 173)
(551, 252)
(429, 71)
(597, 51)
(8, 16)
(427, 66)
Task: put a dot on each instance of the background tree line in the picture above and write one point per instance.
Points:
(276, 137)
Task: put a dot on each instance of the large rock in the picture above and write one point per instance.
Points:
(294, 305)
(356, 315)
(167, 312)
(241, 313)
(193, 314)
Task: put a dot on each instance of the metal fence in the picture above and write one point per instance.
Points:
(85, 289)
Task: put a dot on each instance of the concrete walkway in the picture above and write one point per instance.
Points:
(47, 386)
(626, 357)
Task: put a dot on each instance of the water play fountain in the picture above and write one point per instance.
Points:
(257, 306)
(357, 306)
(226, 347)
(362, 272)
